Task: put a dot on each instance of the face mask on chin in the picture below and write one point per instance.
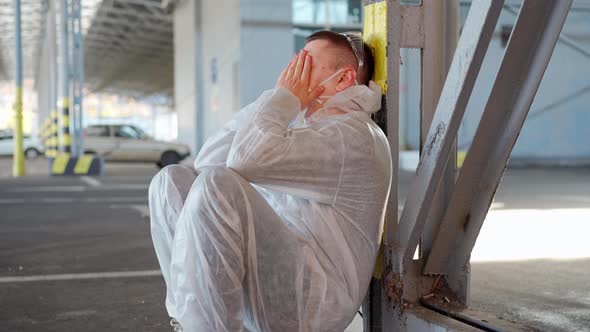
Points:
(357, 98)
(328, 79)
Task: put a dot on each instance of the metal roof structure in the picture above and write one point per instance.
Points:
(129, 47)
(33, 21)
(128, 44)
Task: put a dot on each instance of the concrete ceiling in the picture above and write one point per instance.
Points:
(128, 44)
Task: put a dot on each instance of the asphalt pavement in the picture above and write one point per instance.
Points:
(76, 255)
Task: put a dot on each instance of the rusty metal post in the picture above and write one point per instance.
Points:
(379, 31)
(420, 27)
(441, 35)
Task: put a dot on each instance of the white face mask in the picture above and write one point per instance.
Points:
(359, 98)
(319, 99)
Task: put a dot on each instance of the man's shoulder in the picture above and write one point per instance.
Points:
(362, 124)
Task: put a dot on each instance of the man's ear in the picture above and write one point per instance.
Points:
(347, 79)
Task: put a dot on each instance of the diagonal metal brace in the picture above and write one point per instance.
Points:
(462, 75)
(526, 58)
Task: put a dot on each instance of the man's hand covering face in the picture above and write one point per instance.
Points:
(296, 77)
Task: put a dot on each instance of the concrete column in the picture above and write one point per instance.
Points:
(185, 71)
(226, 54)
(221, 63)
(45, 75)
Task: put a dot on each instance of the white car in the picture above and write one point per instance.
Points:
(130, 143)
(31, 145)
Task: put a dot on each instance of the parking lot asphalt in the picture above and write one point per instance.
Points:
(75, 253)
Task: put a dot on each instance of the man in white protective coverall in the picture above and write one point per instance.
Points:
(278, 225)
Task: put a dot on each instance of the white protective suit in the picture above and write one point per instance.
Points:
(277, 227)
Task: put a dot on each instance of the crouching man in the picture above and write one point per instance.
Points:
(278, 225)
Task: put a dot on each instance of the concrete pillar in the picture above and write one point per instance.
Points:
(221, 63)
(226, 54)
(186, 71)
(45, 75)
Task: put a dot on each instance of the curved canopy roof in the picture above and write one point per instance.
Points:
(128, 44)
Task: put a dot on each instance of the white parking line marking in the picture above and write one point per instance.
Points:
(90, 181)
(57, 200)
(69, 200)
(12, 201)
(47, 189)
(115, 200)
(143, 209)
(139, 186)
(81, 276)
(101, 187)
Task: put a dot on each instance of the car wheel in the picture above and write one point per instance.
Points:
(32, 153)
(169, 158)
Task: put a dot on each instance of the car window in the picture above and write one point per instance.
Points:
(127, 132)
(140, 133)
(97, 131)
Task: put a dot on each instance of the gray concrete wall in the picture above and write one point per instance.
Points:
(552, 135)
(558, 135)
(267, 45)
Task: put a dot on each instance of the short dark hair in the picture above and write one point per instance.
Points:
(341, 41)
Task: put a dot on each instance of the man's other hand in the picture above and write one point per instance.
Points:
(296, 78)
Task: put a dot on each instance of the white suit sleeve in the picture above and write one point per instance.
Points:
(215, 150)
(304, 162)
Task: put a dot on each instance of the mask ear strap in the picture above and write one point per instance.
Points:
(330, 77)
(355, 80)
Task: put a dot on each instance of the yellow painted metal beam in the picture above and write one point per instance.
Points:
(18, 166)
(375, 35)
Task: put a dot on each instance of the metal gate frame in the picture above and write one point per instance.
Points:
(445, 209)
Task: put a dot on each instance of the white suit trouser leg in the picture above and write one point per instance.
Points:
(167, 193)
(228, 260)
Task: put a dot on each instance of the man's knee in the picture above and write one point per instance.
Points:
(221, 178)
(177, 177)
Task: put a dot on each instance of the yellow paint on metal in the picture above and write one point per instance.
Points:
(60, 163)
(461, 157)
(18, 165)
(378, 269)
(83, 164)
(53, 114)
(65, 120)
(66, 140)
(64, 102)
(51, 153)
(375, 35)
